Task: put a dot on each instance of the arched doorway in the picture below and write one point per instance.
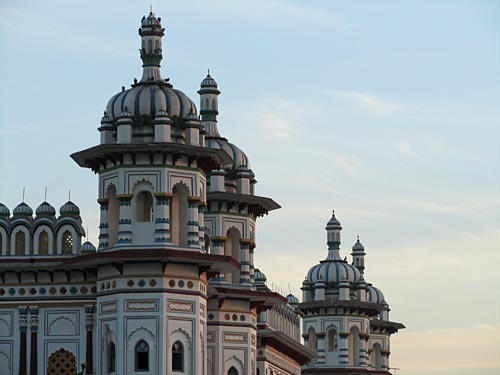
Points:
(61, 362)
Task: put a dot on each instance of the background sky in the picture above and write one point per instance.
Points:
(386, 111)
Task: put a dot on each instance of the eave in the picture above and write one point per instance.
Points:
(284, 344)
(257, 206)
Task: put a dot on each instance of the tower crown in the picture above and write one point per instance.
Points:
(151, 34)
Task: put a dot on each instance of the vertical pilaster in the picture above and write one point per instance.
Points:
(23, 327)
(193, 224)
(162, 218)
(201, 228)
(89, 327)
(103, 225)
(252, 264)
(344, 348)
(364, 358)
(385, 359)
(34, 340)
(125, 221)
(245, 262)
(321, 360)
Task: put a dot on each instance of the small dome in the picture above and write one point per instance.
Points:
(69, 208)
(87, 247)
(208, 82)
(4, 211)
(374, 295)
(292, 300)
(45, 209)
(333, 271)
(22, 209)
(333, 222)
(235, 153)
(150, 20)
(358, 246)
(259, 276)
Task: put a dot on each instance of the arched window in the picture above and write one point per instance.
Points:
(207, 243)
(20, 243)
(179, 215)
(113, 215)
(213, 105)
(111, 357)
(142, 356)
(67, 242)
(43, 243)
(150, 46)
(354, 346)
(232, 248)
(178, 356)
(233, 371)
(144, 207)
(377, 357)
(206, 104)
(157, 46)
(332, 340)
(313, 341)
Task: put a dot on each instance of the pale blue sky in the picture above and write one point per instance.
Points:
(387, 111)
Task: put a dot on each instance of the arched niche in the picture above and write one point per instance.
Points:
(179, 214)
(20, 241)
(143, 204)
(113, 214)
(43, 240)
(354, 346)
(232, 248)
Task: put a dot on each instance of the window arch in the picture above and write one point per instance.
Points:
(178, 356)
(232, 248)
(20, 243)
(144, 207)
(332, 340)
(213, 105)
(313, 341)
(67, 242)
(179, 214)
(43, 243)
(233, 371)
(111, 357)
(142, 356)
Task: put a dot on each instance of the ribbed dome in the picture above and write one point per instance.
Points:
(45, 209)
(259, 276)
(22, 209)
(374, 295)
(239, 157)
(333, 222)
(208, 82)
(88, 247)
(292, 300)
(69, 208)
(4, 210)
(148, 99)
(150, 20)
(358, 246)
(333, 271)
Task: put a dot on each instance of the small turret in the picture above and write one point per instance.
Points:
(151, 34)
(333, 229)
(209, 100)
(358, 256)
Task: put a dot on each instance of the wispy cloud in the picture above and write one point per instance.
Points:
(370, 101)
(447, 150)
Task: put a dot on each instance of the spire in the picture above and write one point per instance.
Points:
(333, 229)
(151, 34)
(209, 104)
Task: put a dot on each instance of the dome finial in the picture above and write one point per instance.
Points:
(24, 190)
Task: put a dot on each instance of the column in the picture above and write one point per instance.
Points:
(89, 327)
(321, 360)
(252, 264)
(34, 340)
(217, 248)
(193, 225)
(103, 226)
(245, 262)
(162, 218)
(125, 221)
(201, 225)
(23, 327)
(364, 358)
(385, 359)
(344, 348)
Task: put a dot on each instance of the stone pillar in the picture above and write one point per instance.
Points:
(23, 327)
(385, 359)
(217, 248)
(245, 262)
(321, 359)
(344, 290)
(89, 327)
(103, 226)
(319, 290)
(162, 218)
(162, 127)
(201, 222)
(364, 358)
(344, 348)
(193, 224)
(34, 340)
(217, 180)
(252, 264)
(125, 220)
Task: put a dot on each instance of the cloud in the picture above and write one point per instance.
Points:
(471, 350)
(404, 148)
(369, 101)
(446, 150)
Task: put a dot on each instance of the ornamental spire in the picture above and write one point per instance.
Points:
(151, 34)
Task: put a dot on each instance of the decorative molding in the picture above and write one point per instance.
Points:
(235, 337)
(141, 305)
(108, 307)
(179, 306)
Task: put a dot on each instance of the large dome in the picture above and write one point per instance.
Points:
(333, 271)
(146, 99)
(238, 157)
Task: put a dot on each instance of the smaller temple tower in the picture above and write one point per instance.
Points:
(345, 320)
